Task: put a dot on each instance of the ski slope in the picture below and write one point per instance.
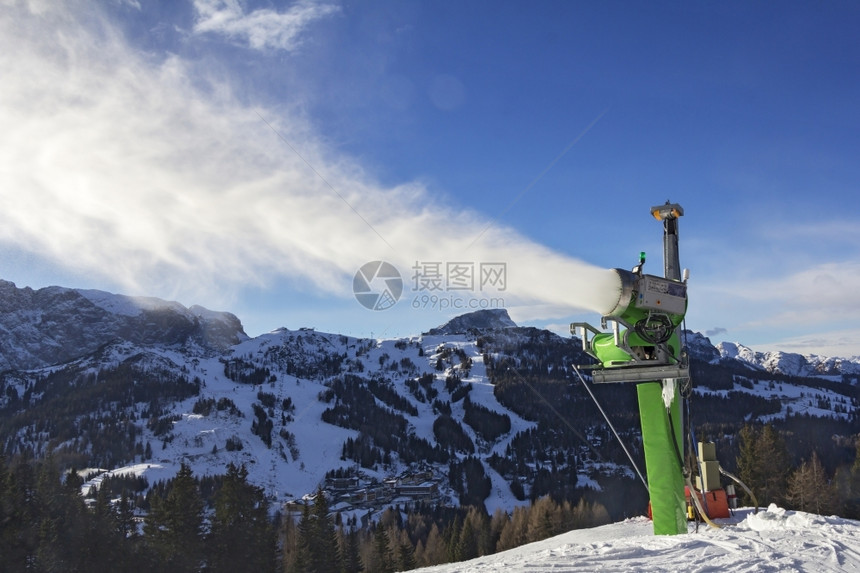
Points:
(774, 539)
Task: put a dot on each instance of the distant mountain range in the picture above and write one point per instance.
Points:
(54, 325)
(480, 409)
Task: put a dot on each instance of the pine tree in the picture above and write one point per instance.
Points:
(848, 479)
(749, 468)
(350, 550)
(763, 464)
(584, 515)
(405, 556)
(544, 519)
(174, 527)
(104, 533)
(63, 522)
(515, 532)
(318, 548)
(855, 472)
(125, 522)
(382, 555)
(467, 546)
(18, 517)
(497, 524)
(304, 535)
(242, 536)
(452, 540)
(484, 540)
(810, 490)
(328, 548)
(773, 454)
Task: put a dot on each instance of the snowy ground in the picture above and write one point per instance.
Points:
(771, 540)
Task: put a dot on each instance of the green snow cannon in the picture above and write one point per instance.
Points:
(643, 347)
(644, 344)
(649, 309)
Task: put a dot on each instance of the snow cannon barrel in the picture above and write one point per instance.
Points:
(641, 295)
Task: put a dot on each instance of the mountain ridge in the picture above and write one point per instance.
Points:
(486, 319)
(25, 320)
(790, 363)
(53, 325)
(490, 409)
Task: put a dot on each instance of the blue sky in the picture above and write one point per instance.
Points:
(253, 156)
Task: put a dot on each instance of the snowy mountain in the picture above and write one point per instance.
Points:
(141, 385)
(790, 364)
(54, 325)
(476, 411)
(699, 348)
(785, 363)
(481, 320)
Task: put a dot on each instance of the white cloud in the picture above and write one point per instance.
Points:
(123, 168)
(260, 29)
(763, 310)
(826, 290)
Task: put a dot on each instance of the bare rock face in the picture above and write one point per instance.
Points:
(53, 325)
(490, 319)
(700, 348)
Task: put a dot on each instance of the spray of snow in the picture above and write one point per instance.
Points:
(149, 172)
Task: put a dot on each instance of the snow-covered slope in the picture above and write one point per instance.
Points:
(304, 447)
(142, 385)
(771, 540)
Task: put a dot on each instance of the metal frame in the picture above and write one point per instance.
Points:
(663, 367)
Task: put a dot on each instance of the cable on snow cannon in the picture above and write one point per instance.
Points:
(643, 347)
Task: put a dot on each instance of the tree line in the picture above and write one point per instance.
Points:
(47, 525)
(427, 535)
(766, 467)
(226, 524)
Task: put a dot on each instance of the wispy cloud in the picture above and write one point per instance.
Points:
(259, 29)
(825, 289)
(811, 298)
(124, 168)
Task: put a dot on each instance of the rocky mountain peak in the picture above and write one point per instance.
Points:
(53, 325)
(489, 319)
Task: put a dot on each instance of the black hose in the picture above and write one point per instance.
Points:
(656, 328)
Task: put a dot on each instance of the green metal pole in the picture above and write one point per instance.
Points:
(665, 477)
